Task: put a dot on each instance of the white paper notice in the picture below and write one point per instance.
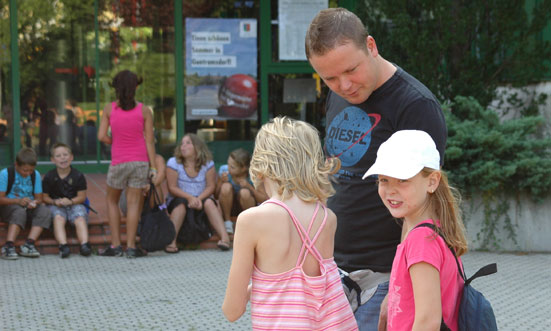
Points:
(294, 18)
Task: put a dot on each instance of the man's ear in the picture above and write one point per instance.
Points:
(372, 46)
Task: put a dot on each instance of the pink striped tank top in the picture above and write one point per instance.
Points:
(127, 132)
(295, 301)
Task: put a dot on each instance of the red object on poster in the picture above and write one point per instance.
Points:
(238, 96)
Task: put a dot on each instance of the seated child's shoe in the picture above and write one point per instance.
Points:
(64, 251)
(229, 226)
(28, 250)
(85, 249)
(112, 251)
(133, 253)
(9, 253)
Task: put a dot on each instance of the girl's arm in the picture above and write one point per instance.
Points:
(161, 170)
(237, 291)
(38, 198)
(104, 126)
(80, 198)
(47, 199)
(259, 195)
(211, 184)
(149, 138)
(426, 292)
(220, 179)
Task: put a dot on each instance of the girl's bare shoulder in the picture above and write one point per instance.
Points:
(261, 215)
(331, 221)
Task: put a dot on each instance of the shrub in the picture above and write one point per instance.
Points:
(495, 159)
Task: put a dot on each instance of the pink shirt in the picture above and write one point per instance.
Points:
(293, 300)
(127, 132)
(421, 245)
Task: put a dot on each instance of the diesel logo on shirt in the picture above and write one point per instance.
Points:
(348, 134)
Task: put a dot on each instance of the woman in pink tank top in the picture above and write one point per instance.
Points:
(285, 245)
(132, 159)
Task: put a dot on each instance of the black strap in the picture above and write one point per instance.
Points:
(11, 179)
(352, 285)
(152, 192)
(484, 271)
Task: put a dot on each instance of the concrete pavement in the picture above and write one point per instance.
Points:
(185, 291)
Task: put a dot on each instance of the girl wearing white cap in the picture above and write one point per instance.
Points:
(425, 285)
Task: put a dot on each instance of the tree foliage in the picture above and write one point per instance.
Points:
(490, 156)
(463, 47)
(469, 48)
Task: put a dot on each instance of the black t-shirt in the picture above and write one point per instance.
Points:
(367, 235)
(67, 187)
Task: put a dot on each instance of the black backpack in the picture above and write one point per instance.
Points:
(155, 228)
(195, 228)
(11, 179)
(475, 311)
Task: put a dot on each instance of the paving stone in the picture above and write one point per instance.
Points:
(185, 291)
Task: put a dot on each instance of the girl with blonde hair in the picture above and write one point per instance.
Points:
(285, 245)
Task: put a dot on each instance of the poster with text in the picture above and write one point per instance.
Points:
(221, 69)
(294, 18)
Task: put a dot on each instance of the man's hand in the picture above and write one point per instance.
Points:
(383, 314)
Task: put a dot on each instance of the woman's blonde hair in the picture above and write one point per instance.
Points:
(444, 202)
(203, 154)
(289, 153)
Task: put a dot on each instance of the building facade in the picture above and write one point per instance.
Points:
(212, 67)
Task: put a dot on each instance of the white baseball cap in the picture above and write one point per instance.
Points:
(405, 154)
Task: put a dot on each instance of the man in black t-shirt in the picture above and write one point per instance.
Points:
(370, 99)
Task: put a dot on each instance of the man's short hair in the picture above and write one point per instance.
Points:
(26, 156)
(334, 27)
(56, 145)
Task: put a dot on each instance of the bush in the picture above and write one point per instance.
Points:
(495, 159)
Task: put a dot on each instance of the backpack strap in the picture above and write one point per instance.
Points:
(11, 179)
(484, 271)
(33, 178)
(352, 285)
(433, 227)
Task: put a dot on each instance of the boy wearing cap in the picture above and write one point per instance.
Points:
(370, 99)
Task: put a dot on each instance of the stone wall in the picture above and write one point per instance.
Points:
(532, 220)
(532, 223)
